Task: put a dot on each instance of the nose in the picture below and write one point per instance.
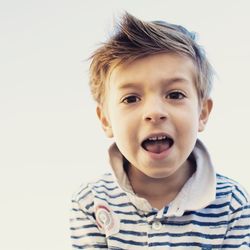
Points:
(155, 112)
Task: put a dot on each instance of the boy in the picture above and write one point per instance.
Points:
(152, 83)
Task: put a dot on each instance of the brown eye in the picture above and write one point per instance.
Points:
(176, 95)
(131, 99)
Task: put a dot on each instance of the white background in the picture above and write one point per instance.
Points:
(50, 139)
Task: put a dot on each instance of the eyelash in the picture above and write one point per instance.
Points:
(171, 95)
(176, 92)
(126, 99)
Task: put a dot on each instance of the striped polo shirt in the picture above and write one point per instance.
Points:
(210, 212)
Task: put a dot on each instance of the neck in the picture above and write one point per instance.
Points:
(160, 191)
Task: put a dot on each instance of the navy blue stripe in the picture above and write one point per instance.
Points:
(241, 193)
(76, 209)
(242, 208)
(82, 190)
(83, 226)
(244, 227)
(195, 222)
(134, 233)
(222, 194)
(235, 246)
(195, 234)
(118, 204)
(97, 246)
(181, 223)
(88, 206)
(218, 205)
(83, 196)
(82, 219)
(129, 242)
(153, 213)
(224, 183)
(209, 215)
(124, 221)
(107, 188)
(232, 209)
(197, 244)
(79, 218)
(223, 187)
(88, 235)
(84, 212)
(224, 179)
(246, 216)
(186, 244)
(237, 199)
(241, 236)
(111, 196)
(126, 213)
(105, 181)
(236, 210)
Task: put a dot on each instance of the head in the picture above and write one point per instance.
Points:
(152, 82)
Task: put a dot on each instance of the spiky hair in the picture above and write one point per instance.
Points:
(134, 38)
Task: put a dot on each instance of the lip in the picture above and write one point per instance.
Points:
(162, 155)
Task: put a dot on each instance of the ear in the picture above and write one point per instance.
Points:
(104, 121)
(206, 108)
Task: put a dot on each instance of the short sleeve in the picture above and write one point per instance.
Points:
(238, 233)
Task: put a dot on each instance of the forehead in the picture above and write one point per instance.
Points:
(164, 67)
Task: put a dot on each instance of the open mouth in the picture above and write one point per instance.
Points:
(157, 144)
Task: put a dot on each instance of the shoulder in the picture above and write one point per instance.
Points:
(234, 193)
(105, 185)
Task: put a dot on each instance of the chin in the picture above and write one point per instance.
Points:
(159, 174)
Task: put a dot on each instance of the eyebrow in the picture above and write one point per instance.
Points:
(168, 81)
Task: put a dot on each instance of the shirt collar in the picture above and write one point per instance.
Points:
(198, 192)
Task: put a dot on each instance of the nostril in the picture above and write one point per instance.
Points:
(155, 118)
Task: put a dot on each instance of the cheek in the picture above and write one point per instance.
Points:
(188, 123)
(119, 126)
(125, 131)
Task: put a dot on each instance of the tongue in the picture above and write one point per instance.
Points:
(156, 146)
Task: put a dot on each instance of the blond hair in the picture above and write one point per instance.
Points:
(134, 38)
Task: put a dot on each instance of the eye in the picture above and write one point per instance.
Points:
(175, 95)
(131, 99)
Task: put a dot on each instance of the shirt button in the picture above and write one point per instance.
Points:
(141, 213)
(157, 225)
(104, 217)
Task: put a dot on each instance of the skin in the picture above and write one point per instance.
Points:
(155, 95)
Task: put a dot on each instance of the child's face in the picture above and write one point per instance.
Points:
(153, 113)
